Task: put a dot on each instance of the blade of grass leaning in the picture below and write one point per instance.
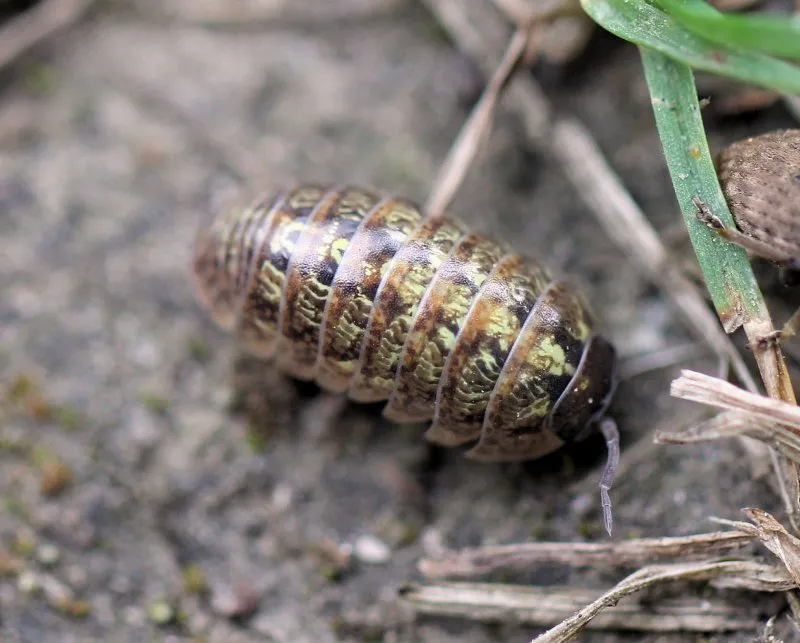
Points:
(776, 35)
(649, 26)
(726, 268)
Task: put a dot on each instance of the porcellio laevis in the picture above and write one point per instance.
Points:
(760, 178)
(365, 295)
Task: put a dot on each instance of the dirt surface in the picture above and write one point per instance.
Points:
(155, 485)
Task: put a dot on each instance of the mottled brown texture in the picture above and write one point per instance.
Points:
(355, 286)
(360, 293)
(760, 177)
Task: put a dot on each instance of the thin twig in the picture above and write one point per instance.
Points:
(650, 361)
(38, 23)
(546, 606)
(753, 575)
(477, 127)
(705, 389)
(262, 16)
(472, 562)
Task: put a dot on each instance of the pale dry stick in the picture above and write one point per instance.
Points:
(523, 12)
(745, 575)
(45, 19)
(224, 14)
(774, 422)
(650, 361)
(567, 31)
(482, 560)
(705, 389)
(545, 606)
(477, 127)
(774, 537)
(733, 424)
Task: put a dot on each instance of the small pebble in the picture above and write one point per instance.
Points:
(28, 583)
(48, 555)
(161, 613)
(371, 550)
(54, 478)
(233, 600)
(57, 593)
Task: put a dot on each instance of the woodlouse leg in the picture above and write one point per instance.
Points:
(609, 430)
(789, 330)
(756, 246)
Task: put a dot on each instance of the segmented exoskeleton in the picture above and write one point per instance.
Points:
(760, 178)
(365, 295)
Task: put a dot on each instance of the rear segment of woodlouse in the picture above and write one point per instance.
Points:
(366, 296)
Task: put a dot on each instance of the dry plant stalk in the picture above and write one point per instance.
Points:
(772, 421)
(519, 557)
(477, 127)
(575, 610)
(774, 537)
(745, 575)
(546, 606)
(36, 25)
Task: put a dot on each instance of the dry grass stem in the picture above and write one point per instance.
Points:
(705, 389)
(546, 606)
(257, 16)
(746, 575)
(477, 127)
(482, 560)
(769, 357)
(650, 361)
(774, 537)
(36, 25)
(770, 420)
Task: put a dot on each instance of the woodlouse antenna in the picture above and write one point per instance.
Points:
(609, 430)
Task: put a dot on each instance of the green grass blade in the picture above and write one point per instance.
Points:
(726, 269)
(648, 26)
(768, 34)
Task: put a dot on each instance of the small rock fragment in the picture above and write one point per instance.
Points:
(48, 555)
(28, 583)
(55, 477)
(161, 613)
(371, 550)
(233, 601)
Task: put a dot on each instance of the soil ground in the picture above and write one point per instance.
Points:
(157, 485)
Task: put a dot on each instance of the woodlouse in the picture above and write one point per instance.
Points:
(760, 178)
(365, 295)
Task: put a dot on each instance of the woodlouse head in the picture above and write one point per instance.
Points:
(760, 177)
